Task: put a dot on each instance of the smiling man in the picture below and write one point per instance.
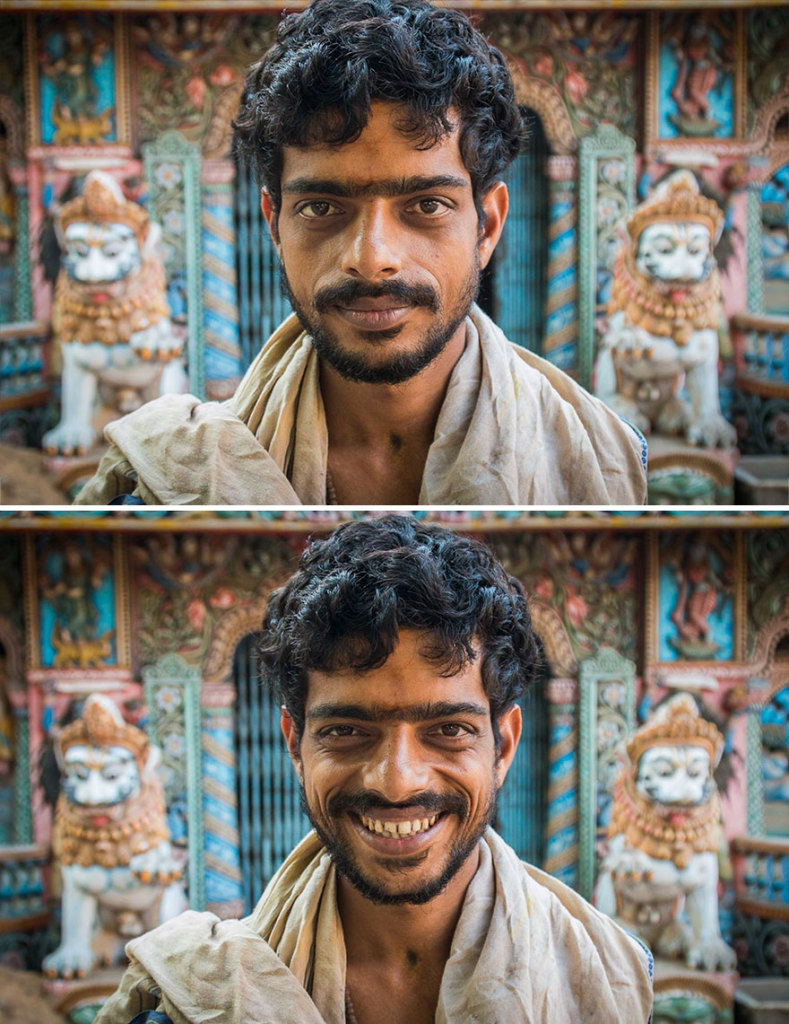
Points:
(399, 652)
(380, 132)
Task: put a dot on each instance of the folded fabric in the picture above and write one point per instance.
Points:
(513, 430)
(526, 949)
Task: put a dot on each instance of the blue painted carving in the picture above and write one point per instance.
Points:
(775, 243)
(775, 765)
(696, 81)
(695, 608)
(77, 80)
(77, 601)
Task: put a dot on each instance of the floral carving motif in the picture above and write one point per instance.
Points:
(184, 600)
(768, 66)
(768, 577)
(587, 57)
(190, 72)
(588, 579)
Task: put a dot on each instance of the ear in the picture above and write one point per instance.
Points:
(291, 739)
(510, 731)
(271, 215)
(152, 240)
(495, 203)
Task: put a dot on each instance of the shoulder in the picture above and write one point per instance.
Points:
(618, 447)
(626, 961)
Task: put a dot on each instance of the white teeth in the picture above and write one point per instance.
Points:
(399, 829)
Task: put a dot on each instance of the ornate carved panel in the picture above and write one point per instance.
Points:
(172, 171)
(172, 694)
(607, 197)
(607, 717)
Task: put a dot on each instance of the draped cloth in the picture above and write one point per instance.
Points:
(526, 950)
(513, 430)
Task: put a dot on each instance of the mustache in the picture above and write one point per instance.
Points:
(431, 803)
(409, 294)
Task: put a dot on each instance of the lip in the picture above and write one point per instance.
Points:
(404, 847)
(381, 318)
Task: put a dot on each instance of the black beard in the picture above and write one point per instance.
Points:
(347, 867)
(401, 368)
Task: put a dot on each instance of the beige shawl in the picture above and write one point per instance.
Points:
(526, 950)
(513, 430)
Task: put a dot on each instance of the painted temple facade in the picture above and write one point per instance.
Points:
(149, 93)
(159, 612)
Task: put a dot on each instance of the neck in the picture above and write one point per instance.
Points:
(369, 414)
(405, 935)
(380, 434)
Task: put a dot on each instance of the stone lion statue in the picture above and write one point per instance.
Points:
(664, 314)
(110, 317)
(111, 839)
(660, 875)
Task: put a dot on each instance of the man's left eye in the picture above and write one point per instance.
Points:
(316, 209)
(429, 207)
(453, 730)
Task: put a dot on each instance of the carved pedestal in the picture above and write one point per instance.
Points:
(679, 473)
(82, 998)
(692, 997)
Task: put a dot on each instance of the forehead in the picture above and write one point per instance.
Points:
(684, 754)
(103, 755)
(86, 231)
(381, 154)
(407, 679)
(678, 232)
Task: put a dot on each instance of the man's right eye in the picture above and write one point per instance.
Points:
(317, 209)
(338, 731)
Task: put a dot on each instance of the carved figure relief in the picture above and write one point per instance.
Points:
(775, 764)
(77, 89)
(8, 214)
(696, 88)
(696, 608)
(664, 315)
(660, 875)
(77, 611)
(775, 242)
(109, 315)
(111, 839)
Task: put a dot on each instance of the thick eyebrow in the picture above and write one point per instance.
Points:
(389, 187)
(414, 713)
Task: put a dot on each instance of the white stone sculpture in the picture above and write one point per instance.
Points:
(664, 316)
(110, 317)
(111, 839)
(660, 875)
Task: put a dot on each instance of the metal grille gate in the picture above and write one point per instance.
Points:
(518, 283)
(270, 819)
(514, 295)
(261, 305)
(269, 816)
(520, 817)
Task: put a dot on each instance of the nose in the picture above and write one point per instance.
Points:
(94, 266)
(396, 769)
(371, 250)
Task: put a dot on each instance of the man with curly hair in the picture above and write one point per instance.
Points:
(380, 132)
(398, 652)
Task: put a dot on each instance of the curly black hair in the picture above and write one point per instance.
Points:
(331, 61)
(353, 593)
